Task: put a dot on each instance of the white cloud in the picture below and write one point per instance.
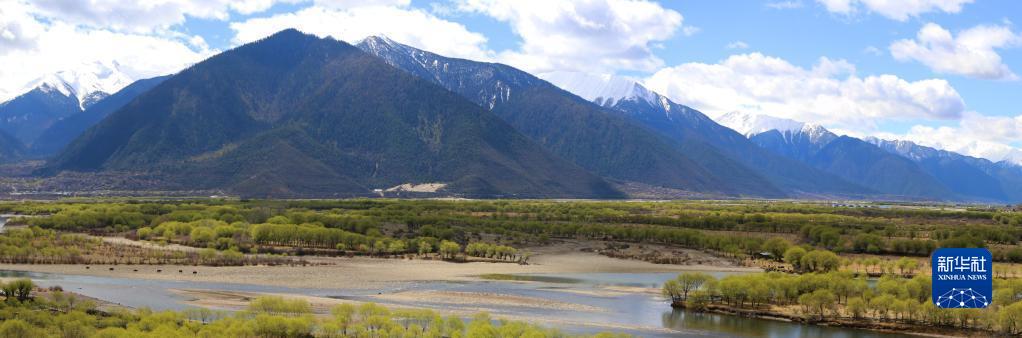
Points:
(900, 10)
(964, 139)
(829, 93)
(590, 35)
(1002, 129)
(971, 53)
(411, 26)
(344, 4)
(18, 29)
(145, 16)
(690, 30)
(871, 50)
(57, 46)
(995, 138)
(737, 45)
(790, 4)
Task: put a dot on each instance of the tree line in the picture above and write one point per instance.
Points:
(844, 295)
(53, 313)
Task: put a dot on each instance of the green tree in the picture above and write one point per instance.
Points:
(777, 247)
(793, 256)
(856, 307)
(672, 290)
(20, 288)
(1009, 318)
(449, 249)
(17, 328)
(818, 302)
(688, 281)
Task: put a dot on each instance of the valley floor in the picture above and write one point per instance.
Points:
(409, 283)
(369, 273)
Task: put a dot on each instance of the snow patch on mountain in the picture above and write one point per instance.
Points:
(88, 83)
(754, 124)
(604, 89)
(907, 149)
(918, 152)
(1014, 157)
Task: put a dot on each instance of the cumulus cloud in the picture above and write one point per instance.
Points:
(56, 46)
(900, 10)
(970, 139)
(971, 53)
(411, 26)
(589, 35)
(829, 93)
(1003, 129)
(18, 29)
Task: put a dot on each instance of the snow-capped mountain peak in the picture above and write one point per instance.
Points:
(378, 41)
(605, 90)
(753, 124)
(905, 148)
(917, 151)
(88, 83)
(1014, 157)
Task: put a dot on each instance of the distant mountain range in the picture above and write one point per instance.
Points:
(293, 115)
(57, 96)
(898, 169)
(969, 177)
(710, 143)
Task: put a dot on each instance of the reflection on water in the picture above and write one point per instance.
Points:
(641, 314)
(751, 327)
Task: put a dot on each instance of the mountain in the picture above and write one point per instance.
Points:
(296, 115)
(970, 177)
(26, 116)
(797, 140)
(57, 96)
(710, 143)
(65, 130)
(585, 133)
(1013, 157)
(11, 150)
(850, 158)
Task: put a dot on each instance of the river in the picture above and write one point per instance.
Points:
(643, 314)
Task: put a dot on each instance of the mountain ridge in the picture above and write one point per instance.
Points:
(286, 116)
(574, 128)
(694, 131)
(850, 158)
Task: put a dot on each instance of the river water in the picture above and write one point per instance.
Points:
(642, 314)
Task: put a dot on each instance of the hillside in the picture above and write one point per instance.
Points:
(580, 131)
(851, 159)
(296, 115)
(65, 130)
(709, 143)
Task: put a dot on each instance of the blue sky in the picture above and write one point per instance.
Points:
(938, 72)
(802, 35)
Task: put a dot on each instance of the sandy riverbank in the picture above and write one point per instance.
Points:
(365, 273)
(239, 300)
